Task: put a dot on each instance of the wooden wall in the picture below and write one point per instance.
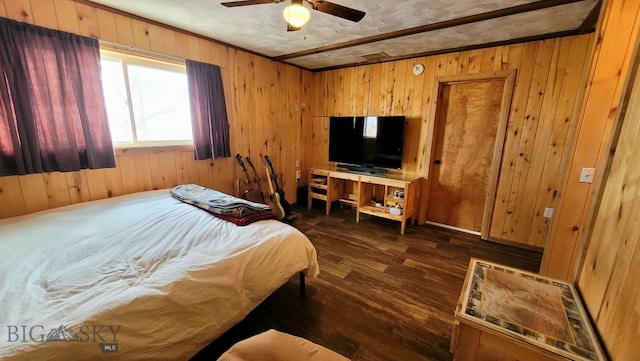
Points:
(606, 225)
(609, 280)
(595, 238)
(550, 77)
(616, 34)
(263, 104)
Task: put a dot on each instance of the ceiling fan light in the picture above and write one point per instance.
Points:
(296, 15)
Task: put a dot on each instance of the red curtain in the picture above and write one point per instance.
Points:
(208, 111)
(52, 112)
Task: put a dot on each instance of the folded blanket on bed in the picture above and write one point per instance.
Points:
(237, 210)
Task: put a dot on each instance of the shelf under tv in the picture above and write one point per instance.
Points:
(362, 169)
(371, 194)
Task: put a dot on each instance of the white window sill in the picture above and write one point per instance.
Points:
(139, 149)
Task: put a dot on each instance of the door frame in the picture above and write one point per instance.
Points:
(508, 76)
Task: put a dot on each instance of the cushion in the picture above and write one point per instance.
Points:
(273, 345)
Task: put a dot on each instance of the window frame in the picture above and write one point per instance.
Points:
(158, 62)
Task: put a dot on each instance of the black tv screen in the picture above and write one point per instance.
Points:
(374, 141)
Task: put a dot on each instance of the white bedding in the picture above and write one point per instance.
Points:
(172, 276)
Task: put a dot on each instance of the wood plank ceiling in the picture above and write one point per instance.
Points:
(390, 30)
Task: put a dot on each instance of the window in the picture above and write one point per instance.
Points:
(147, 100)
(52, 113)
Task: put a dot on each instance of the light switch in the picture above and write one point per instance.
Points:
(548, 212)
(586, 176)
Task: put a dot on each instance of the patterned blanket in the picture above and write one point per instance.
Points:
(218, 203)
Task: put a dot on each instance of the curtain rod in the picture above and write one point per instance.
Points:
(145, 52)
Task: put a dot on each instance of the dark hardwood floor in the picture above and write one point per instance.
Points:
(380, 295)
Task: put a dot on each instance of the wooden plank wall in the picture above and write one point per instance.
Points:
(263, 104)
(617, 31)
(610, 276)
(609, 272)
(549, 82)
(595, 238)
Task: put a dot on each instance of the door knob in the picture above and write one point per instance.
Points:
(437, 161)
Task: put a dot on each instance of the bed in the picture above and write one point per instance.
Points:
(141, 276)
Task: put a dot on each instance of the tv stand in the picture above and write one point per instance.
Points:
(371, 194)
(362, 169)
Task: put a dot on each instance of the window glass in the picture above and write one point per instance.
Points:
(160, 104)
(147, 100)
(116, 101)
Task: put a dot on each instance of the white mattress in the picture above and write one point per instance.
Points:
(172, 276)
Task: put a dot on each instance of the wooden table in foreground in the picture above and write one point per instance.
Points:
(507, 314)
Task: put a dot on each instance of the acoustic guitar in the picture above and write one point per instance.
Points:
(278, 192)
(253, 195)
(256, 178)
(275, 199)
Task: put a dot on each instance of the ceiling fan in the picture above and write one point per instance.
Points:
(297, 15)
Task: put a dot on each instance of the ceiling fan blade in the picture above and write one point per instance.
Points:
(338, 10)
(232, 4)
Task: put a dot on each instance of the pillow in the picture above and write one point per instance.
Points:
(274, 345)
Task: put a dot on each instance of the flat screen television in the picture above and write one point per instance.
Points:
(367, 142)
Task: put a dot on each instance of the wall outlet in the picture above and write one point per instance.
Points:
(297, 163)
(586, 176)
(298, 174)
(548, 212)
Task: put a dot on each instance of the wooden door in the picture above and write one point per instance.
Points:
(466, 129)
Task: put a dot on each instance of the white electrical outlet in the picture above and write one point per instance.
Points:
(548, 212)
(297, 163)
(298, 174)
(586, 176)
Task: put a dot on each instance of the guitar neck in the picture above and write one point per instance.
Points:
(257, 180)
(244, 170)
(249, 181)
(255, 176)
(269, 181)
(275, 177)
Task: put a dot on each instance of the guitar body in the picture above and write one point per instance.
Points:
(275, 199)
(253, 195)
(282, 202)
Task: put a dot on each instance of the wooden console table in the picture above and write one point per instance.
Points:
(375, 195)
(504, 313)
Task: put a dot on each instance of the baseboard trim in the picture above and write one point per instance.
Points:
(453, 228)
